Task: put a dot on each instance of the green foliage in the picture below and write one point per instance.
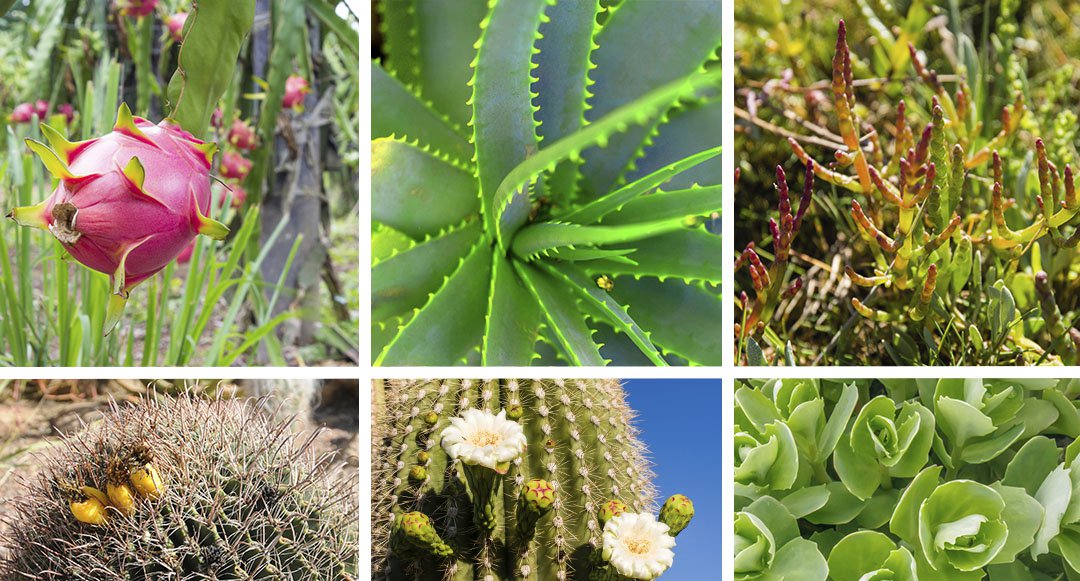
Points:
(239, 499)
(931, 479)
(567, 174)
(940, 265)
(541, 512)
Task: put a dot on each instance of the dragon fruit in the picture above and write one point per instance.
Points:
(241, 135)
(136, 8)
(41, 108)
(295, 89)
(185, 255)
(22, 113)
(234, 166)
(239, 194)
(128, 202)
(215, 117)
(175, 24)
(68, 111)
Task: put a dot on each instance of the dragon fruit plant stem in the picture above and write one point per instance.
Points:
(128, 202)
(509, 479)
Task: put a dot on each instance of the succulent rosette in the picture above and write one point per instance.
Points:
(815, 422)
(128, 202)
(870, 556)
(961, 526)
(883, 443)
(765, 461)
(977, 420)
(768, 546)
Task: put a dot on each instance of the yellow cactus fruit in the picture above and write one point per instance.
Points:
(87, 504)
(147, 481)
(121, 496)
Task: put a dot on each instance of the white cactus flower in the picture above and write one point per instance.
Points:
(637, 545)
(481, 438)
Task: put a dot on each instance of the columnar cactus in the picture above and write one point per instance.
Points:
(514, 480)
(183, 489)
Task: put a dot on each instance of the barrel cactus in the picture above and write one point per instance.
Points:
(542, 176)
(509, 479)
(183, 489)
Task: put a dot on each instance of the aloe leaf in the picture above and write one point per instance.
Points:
(681, 318)
(404, 281)
(588, 254)
(417, 192)
(562, 82)
(447, 328)
(504, 130)
(688, 131)
(548, 351)
(697, 201)
(614, 346)
(410, 118)
(638, 112)
(643, 45)
(513, 318)
(614, 313)
(382, 332)
(687, 254)
(397, 23)
(445, 44)
(597, 209)
(565, 323)
(214, 33)
(386, 241)
(545, 237)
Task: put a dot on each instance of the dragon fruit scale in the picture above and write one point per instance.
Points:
(128, 202)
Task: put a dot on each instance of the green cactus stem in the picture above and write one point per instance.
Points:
(544, 517)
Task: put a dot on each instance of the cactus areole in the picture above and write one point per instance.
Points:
(128, 202)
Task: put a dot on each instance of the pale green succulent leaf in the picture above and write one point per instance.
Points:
(960, 421)
(859, 553)
(681, 318)
(879, 509)
(860, 473)
(415, 191)
(451, 323)
(1067, 544)
(838, 420)
(643, 45)
(987, 449)
(1032, 464)
(596, 210)
(905, 519)
(397, 23)
(800, 560)
(411, 119)
(1022, 516)
(782, 527)
(841, 508)
(403, 281)
(504, 130)
(562, 315)
(513, 318)
(804, 501)
(758, 408)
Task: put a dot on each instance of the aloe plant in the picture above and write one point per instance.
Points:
(542, 175)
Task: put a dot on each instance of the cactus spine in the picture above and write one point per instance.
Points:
(582, 453)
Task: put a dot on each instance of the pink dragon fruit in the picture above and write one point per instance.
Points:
(241, 135)
(68, 111)
(41, 109)
(215, 117)
(128, 202)
(175, 24)
(22, 113)
(295, 89)
(185, 255)
(136, 8)
(239, 194)
(234, 166)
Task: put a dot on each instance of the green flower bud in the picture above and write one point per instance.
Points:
(417, 474)
(538, 495)
(422, 457)
(609, 509)
(431, 418)
(676, 513)
(514, 411)
(417, 530)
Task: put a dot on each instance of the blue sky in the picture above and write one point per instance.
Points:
(680, 421)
